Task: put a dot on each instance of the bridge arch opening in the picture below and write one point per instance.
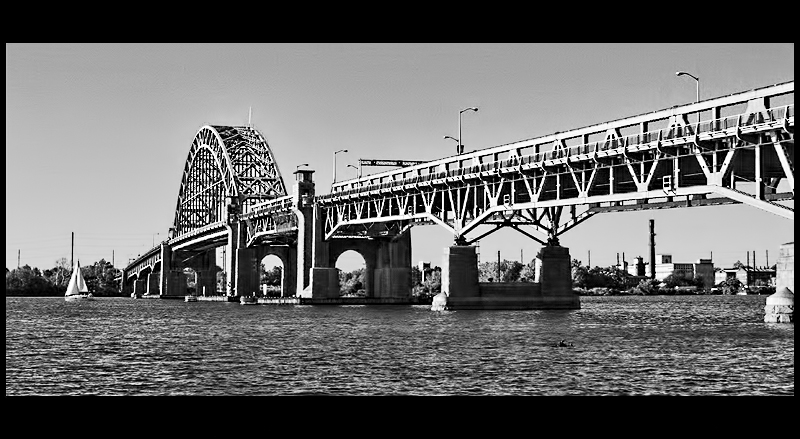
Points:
(272, 276)
(352, 274)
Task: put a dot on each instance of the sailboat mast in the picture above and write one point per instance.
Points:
(72, 252)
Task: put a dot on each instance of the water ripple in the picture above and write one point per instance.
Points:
(709, 345)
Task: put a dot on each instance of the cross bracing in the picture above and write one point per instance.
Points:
(621, 165)
(732, 149)
(228, 170)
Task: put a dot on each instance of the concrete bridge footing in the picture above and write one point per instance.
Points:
(461, 289)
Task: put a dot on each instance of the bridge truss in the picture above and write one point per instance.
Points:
(545, 186)
(227, 172)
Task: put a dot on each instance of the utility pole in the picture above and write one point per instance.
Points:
(18, 253)
(652, 249)
(112, 258)
(498, 265)
(589, 264)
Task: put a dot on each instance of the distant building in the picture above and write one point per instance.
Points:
(638, 268)
(748, 276)
(703, 268)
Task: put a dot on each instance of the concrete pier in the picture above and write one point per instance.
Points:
(780, 306)
(461, 289)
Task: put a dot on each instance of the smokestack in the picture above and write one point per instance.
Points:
(767, 252)
(652, 249)
(748, 258)
(754, 259)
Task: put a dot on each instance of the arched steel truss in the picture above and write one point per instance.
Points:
(227, 171)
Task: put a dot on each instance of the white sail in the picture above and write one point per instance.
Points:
(77, 285)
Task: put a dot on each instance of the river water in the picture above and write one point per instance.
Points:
(624, 345)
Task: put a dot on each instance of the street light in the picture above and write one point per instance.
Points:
(697, 81)
(334, 162)
(298, 166)
(154, 239)
(460, 144)
(457, 142)
(358, 171)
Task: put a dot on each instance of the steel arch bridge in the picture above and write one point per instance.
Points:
(232, 192)
(228, 171)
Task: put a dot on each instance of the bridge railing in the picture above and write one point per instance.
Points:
(678, 134)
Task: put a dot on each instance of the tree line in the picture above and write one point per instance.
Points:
(101, 279)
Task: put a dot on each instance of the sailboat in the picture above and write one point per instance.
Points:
(77, 289)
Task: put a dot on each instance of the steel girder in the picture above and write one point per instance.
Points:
(227, 171)
(678, 165)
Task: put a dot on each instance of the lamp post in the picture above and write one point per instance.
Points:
(298, 166)
(697, 81)
(334, 162)
(358, 171)
(460, 144)
(154, 239)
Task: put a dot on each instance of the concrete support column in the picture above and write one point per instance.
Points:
(176, 283)
(247, 274)
(323, 280)
(556, 278)
(784, 269)
(460, 271)
(556, 273)
(206, 283)
(139, 287)
(237, 240)
(152, 282)
(780, 306)
(392, 273)
(307, 234)
(169, 285)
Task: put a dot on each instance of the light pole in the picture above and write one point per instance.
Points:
(461, 144)
(458, 143)
(334, 162)
(697, 81)
(154, 239)
(358, 171)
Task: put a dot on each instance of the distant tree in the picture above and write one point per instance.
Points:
(433, 282)
(416, 276)
(351, 282)
(731, 286)
(677, 280)
(271, 277)
(27, 281)
(738, 264)
(647, 287)
(580, 274)
(101, 278)
(509, 271)
(528, 273)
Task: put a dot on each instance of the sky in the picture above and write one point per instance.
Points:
(97, 135)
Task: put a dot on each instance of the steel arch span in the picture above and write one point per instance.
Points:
(227, 171)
